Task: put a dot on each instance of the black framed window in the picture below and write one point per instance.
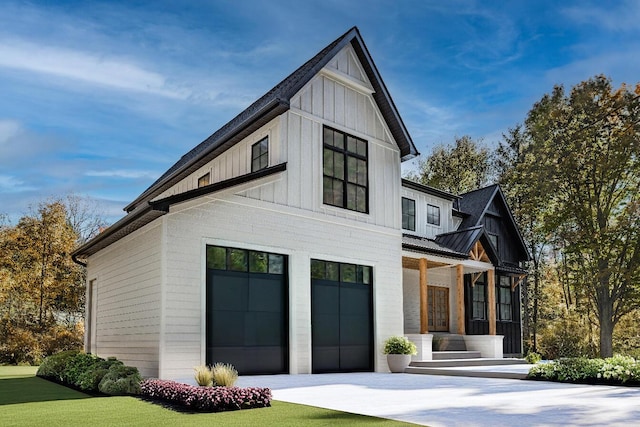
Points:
(505, 303)
(479, 299)
(260, 154)
(234, 259)
(408, 214)
(433, 215)
(339, 272)
(345, 171)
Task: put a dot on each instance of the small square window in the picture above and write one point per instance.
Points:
(237, 260)
(204, 180)
(258, 262)
(260, 155)
(433, 215)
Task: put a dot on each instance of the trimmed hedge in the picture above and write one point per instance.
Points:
(90, 373)
(206, 399)
(614, 370)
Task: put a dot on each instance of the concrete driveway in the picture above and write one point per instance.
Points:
(459, 401)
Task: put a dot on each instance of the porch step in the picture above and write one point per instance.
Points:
(450, 363)
(448, 342)
(518, 371)
(447, 355)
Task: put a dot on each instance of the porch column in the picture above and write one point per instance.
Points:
(460, 297)
(491, 283)
(424, 320)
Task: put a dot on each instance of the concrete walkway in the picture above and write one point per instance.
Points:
(459, 401)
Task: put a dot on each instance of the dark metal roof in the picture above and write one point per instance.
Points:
(152, 210)
(511, 269)
(430, 246)
(276, 102)
(476, 204)
(428, 190)
(461, 240)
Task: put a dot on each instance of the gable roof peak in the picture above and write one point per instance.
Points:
(274, 103)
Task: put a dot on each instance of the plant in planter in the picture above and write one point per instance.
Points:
(399, 351)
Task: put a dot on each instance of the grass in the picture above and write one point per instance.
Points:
(26, 400)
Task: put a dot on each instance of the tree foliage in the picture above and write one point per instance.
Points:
(41, 288)
(581, 151)
(462, 166)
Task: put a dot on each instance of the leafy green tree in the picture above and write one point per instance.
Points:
(463, 166)
(583, 154)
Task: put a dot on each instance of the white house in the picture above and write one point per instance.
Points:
(277, 243)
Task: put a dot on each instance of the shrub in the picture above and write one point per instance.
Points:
(53, 366)
(90, 379)
(203, 376)
(206, 399)
(399, 345)
(77, 365)
(224, 374)
(120, 380)
(20, 346)
(613, 370)
(533, 357)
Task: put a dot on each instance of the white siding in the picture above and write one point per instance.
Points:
(127, 291)
(234, 162)
(241, 222)
(447, 222)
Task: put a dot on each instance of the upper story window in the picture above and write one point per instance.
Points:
(408, 214)
(433, 215)
(204, 180)
(345, 172)
(494, 240)
(505, 303)
(260, 154)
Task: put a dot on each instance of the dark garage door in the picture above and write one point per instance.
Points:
(247, 310)
(341, 317)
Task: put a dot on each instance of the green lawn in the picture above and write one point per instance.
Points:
(26, 400)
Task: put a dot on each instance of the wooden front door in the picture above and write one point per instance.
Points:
(438, 309)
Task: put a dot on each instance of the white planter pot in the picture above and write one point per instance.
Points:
(398, 362)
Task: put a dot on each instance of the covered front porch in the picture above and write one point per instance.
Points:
(435, 304)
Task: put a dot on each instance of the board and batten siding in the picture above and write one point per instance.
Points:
(236, 221)
(447, 221)
(126, 280)
(236, 161)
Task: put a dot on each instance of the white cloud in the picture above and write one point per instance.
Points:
(11, 184)
(85, 66)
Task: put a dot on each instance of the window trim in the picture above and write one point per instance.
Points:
(429, 215)
(347, 154)
(261, 155)
(411, 226)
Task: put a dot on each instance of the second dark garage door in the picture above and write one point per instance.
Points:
(341, 317)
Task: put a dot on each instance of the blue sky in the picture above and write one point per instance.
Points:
(99, 99)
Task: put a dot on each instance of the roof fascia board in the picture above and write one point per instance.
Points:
(429, 190)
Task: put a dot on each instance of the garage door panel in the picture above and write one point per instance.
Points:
(355, 330)
(326, 330)
(266, 329)
(231, 292)
(250, 360)
(326, 359)
(355, 300)
(352, 358)
(266, 293)
(227, 328)
(324, 296)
